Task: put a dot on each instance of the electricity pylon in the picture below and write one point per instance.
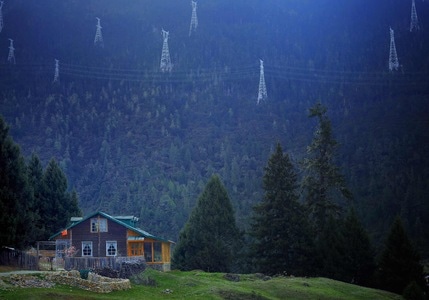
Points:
(262, 95)
(393, 56)
(1, 15)
(165, 55)
(194, 19)
(57, 71)
(98, 40)
(11, 56)
(414, 25)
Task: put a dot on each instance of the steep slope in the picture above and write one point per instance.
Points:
(133, 140)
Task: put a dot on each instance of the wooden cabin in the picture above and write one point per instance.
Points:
(103, 236)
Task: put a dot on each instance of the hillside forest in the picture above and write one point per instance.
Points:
(133, 140)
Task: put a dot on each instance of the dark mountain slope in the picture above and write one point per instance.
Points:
(135, 141)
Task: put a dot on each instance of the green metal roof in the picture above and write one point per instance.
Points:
(75, 221)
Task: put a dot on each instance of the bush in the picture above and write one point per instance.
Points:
(84, 274)
(413, 292)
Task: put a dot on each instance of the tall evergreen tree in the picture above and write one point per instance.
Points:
(57, 204)
(74, 209)
(358, 263)
(323, 177)
(15, 195)
(35, 179)
(331, 250)
(399, 262)
(344, 251)
(210, 238)
(280, 224)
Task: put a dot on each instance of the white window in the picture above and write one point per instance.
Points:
(86, 248)
(111, 248)
(98, 225)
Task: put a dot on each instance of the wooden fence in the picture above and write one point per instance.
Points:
(16, 258)
(86, 263)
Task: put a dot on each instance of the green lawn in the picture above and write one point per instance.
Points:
(201, 285)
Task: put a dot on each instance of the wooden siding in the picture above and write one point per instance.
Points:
(166, 249)
(129, 243)
(82, 233)
(137, 248)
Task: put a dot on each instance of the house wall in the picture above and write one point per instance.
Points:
(82, 232)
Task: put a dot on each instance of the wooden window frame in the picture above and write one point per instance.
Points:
(89, 243)
(108, 244)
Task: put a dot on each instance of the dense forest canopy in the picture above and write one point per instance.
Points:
(133, 140)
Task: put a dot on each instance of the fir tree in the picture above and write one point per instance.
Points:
(323, 177)
(16, 217)
(399, 263)
(210, 238)
(331, 250)
(74, 209)
(344, 251)
(35, 179)
(280, 225)
(358, 263)
(57, 204)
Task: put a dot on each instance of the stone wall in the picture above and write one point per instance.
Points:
(165, 267)
(94, 283)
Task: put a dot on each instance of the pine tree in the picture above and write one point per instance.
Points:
(15, 194)
(399, 263)
(323, 177)
(358, 263)
(74, 209)
(35, 177)
(331, 250)
(280, 225)
(344, 251)
(210, 238)
(57, 204)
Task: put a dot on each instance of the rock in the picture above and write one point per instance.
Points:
(232, 277)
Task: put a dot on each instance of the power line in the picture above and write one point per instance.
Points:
(286, 73)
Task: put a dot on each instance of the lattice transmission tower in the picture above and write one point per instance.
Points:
(393, 56)
(262, 95)
(98, 39)
(57, 71)
(11, 56)
(1, 15)
(414, 25)
(194, 19)
(165, 64)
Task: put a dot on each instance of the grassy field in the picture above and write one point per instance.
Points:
(201, 285)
